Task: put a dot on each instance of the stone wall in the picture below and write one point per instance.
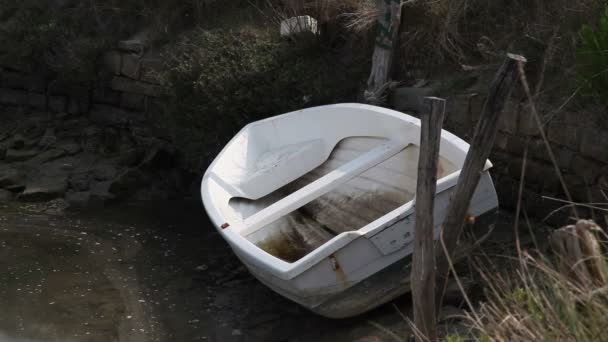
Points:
(87, 143)
(128, 86)
(579, 140)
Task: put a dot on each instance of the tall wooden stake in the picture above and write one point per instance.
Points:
(423, 269)
(479, 151)
(389, 21)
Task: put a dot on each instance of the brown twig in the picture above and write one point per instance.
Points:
(524, 82)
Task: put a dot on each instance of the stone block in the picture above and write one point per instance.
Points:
(509, 119)
(563, 135)
(594, 144)
(409, 99)
(105, 95)
(137, 87)
(36, 84)
(5, 196)
(516, 145)
(133, 101)
(135, 46)
(57, 87)
(130, 65)
(11, 178)
(36, 100)
(501, 141)
(57, 104)
(526, 124)
(78, 199)
(44, 189)
(583, 118)
(459, 111)
(13, 155)
(112, 61)
(113, 116)
(78, 105)
(150, 66)
(14, 79)
(13, 97)
(588, 169)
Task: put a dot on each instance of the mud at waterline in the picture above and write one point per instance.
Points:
(154, 272)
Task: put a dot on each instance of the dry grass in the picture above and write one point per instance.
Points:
(540, 304)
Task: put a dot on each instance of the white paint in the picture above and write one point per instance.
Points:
(339, 177)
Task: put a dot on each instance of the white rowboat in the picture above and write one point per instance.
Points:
(319, 203)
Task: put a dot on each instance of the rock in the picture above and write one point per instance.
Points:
(5, 196)
(16, 142)
(14, 79)
(48, 155)
(91, 140)
(127, 181)
(130, 65)
(78, 105)
(13, 97)
(299, 25)
(137, 87)
(107, 115)
(133, 101)
(159, 157)
(104, 172)
(13, 155)
(100, 193)
(57, 104)
(128, 156)
(112, 62)
(36, 100)
(594, 144)
(69, 147)
(79, 182)
(150, 65)
(132, 45)
(44, 188)
(11, 178)
(78, 199)
(563, 135)
(48, 138)
(106, 96)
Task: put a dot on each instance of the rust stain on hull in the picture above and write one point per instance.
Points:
(335, 265)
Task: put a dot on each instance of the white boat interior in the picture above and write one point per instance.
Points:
(369, 195)
(289, 184)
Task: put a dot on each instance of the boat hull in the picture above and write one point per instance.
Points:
(329, 290)
(319, 203)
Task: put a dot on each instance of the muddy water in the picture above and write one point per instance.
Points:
(153, 272)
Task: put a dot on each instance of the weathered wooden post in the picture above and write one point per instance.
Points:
(579, 255)
(423, 269)
(479, 151)
(388, 28)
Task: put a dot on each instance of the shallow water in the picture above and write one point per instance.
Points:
(145, 272)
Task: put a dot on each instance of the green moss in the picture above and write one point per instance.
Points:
(592, 56)
(61, 39)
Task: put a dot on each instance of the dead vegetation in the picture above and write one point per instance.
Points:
(563, 299)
